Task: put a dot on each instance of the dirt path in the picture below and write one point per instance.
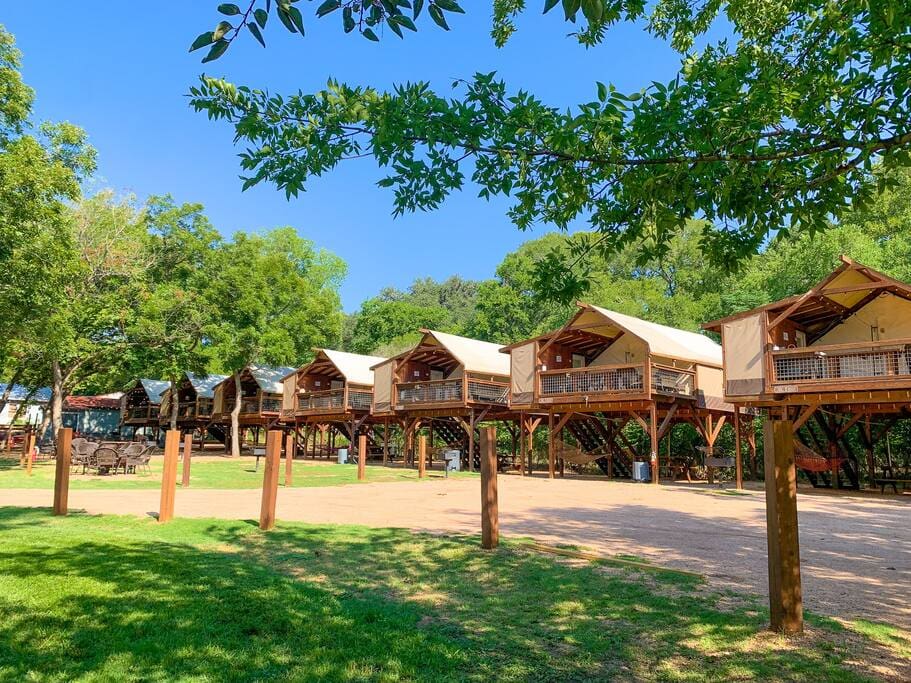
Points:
(855, 550)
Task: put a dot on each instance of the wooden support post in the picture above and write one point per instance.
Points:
(422, 456)
(751, 441)
(785, 599)
(866, 434)
(471, 441)
(653, 440)
(490, 520)
(551, 455)
(62, 472)
(386, 441)
(169, 475)
(30, 450)
(25, 438)
(270, 479)
(290, 447)
(187, 448)
(362, 457)
(522, 445)
(738, 450)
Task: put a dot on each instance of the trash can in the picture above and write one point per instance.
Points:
(641, 471)
(342, 456)
(453, 460)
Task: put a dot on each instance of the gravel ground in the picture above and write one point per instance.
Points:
(855, 548)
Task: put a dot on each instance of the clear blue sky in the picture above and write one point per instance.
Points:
(122, 74)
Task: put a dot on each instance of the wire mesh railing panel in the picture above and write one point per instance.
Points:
(835, 365)
(360, 400)
(592, 380)
(487, 392)
(439, 391)
(321, 400)
(671, 381)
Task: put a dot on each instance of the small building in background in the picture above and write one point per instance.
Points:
(24, 406)
(94, 416)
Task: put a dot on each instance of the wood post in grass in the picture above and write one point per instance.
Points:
(23, 455)
(422, 457)
(362, 457)
(290, 447)
(490, 516)
(187, 448)
(30, 439)
(738, 450)
(785, 598)
(270, 479)
(62, 473)
(169, 475)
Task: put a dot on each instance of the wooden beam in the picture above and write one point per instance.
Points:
(270, 480)
(422, 456)
(290, 447)
(785, 594)
(551, 455)
(805, 415)
(362, 457)
(490, 520)
(666, 422)
(187, 455)
(62, 470)
(522, 445)
(169, 475)
(638, 418)
(653, 438)
(738, 451)
(845, 426)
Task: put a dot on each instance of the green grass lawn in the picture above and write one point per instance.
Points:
(210, 474)
(117, 598)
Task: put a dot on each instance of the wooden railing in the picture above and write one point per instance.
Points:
(259, 405)
(147, 412)
(601, 379)
(201, 407)
(481, 391)
(673, 381)
(321, 400)
(431, 391)
(884, 361)
(359, 399)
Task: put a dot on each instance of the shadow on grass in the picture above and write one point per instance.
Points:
(114, 597)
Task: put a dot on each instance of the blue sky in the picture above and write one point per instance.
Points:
(122, 73)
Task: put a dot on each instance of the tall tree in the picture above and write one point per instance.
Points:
(40, 171)
(774, 129)
(276, 297)
(168, 331)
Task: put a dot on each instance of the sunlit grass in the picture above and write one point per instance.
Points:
(122, 598)
(209, 473)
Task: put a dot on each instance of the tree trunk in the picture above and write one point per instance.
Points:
(57, 397)
(9, 389)
(235, 417)
(175, 406)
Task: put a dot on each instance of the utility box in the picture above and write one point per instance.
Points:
(453, 460)
(342, 456)
(641, 471)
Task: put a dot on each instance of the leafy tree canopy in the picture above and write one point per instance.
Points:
(774, 131)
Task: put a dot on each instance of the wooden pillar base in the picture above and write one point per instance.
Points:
(270, 480)
(490, 517)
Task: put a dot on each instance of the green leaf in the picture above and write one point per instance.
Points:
(549, 5)
(418, 6)
(218, 49)
(229, 9)
(297, 18)
(286, 19)
(370, 35)
(602, 91)
(449, 6)
(327, 7)
(437, 15)
(220, 30)
(254, 29)
(202, 40)
(261, 17)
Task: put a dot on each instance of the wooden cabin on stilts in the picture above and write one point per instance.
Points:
(447, 385)
(833, 359)
(195, 407)
(327, 405)
(260, 401)
(603, 370)
(140, 406)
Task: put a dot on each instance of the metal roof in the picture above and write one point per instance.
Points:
(205, 386)
(269, 379)
(154, 388)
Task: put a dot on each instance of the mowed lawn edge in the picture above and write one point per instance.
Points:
(208, 472)
(108, 597)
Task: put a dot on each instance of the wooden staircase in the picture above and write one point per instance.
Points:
(593, 436)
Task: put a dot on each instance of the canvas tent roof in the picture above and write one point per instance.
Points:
(355, 367)
(205, 386)
(474, 355)
(667, 341)
(154, 388)
(270, 379)
(844, 291)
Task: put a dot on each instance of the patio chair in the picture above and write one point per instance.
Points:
(136, 459)
(106, 459)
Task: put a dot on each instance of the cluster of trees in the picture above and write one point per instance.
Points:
(100, 290)
(681, 288)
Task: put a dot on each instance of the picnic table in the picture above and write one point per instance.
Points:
(883, 482)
